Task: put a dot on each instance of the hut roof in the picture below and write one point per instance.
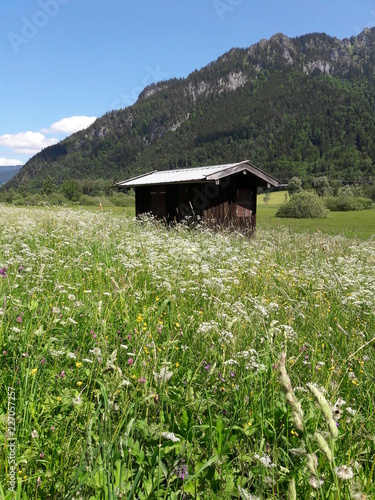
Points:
(197, 174)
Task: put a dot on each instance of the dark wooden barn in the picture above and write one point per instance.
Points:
(220, 194)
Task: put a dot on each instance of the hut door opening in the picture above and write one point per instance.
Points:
(158, 205)
(244, 202)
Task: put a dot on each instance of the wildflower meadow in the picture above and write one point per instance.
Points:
(145, 362)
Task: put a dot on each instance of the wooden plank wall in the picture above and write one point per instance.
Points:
(230, 203)
(225, 211)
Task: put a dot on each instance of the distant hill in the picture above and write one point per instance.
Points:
(294, 106)
(6, 173)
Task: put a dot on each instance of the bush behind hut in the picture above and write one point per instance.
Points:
(303, 205)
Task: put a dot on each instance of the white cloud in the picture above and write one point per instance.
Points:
(30, 143)
(8, 162)
(70, 125)
(27, 143)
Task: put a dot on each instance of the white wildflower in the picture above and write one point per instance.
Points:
(265, 460)
(55, 353)
(245, 494)
(207, 327)
(351, 411)
(269, 481)
(96, 351)
(163, 376)
(230, 362)
(34, 434)
(71, 355)
(344, 472)
(172, 437)
(124, 382)
(315, 483)
(340, 402)
(226, 337)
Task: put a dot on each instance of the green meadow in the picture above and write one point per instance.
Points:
(145, 362)
(359, 224)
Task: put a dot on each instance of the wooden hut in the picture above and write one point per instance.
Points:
(220, 194)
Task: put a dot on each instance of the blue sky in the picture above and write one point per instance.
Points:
(65, 62)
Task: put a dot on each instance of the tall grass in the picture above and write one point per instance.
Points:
(145, 360)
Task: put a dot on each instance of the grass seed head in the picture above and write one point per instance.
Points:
(325, 409)
(312, 464)
(323, 446)
(285, 383)
(292, 494)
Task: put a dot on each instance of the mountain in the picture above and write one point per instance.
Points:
(294, 106)
(6, 173)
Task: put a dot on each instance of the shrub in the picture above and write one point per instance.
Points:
(31, 200)
(87, 200)
(321, 185)
(71, 189)
(294, 186)
(369, 191)
(303, 205)
(122, 200)
(38, 199)
(345, 203)
(57, 199)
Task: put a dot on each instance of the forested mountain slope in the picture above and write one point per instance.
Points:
(293, 106)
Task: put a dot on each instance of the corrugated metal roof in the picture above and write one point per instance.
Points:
(196, 174)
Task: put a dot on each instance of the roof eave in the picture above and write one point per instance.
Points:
(125, 183)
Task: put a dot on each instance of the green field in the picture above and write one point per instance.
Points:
(276, 198)
(145, 362)
(360, 224)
